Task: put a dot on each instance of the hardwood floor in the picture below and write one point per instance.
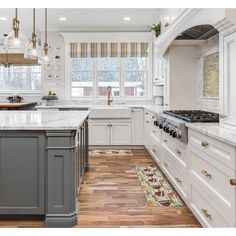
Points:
(111, 196)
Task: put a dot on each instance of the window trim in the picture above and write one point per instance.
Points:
(107, 37)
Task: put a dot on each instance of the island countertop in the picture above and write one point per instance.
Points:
(42, 120)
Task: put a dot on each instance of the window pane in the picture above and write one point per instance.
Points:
(81, 64)
(82, 84)
(135, 83)
(109, 64)
(108, 78)
(135, 64)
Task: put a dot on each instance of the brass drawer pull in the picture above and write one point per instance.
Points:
(178, 180)
(154, 131)
(233, 181)
(154, 151)
(165, 164)
(147, 121)
(205, 144)
(146, 113)
(165, 141)
(204, 172)
(222, 116)
(178, 152)
(205, 212)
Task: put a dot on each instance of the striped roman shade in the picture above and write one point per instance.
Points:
(94, 50)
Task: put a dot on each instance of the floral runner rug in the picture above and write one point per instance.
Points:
(156, 188)
(110, 153)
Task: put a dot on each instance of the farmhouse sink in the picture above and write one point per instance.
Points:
(110, 112)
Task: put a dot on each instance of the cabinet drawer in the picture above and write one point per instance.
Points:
(222, 152)
(156, 132)
(175, 148)
(175, 175)
(203, 210)
(155, 149)
(214, 179)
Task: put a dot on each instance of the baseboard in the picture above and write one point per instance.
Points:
(123, 147)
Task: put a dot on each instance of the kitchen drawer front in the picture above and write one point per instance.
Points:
(214, 179)
(220, 151)
(155, 149)
(176, 148)
(156, 132)
(203, 210)
(176, 175)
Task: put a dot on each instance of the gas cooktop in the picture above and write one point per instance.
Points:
(194, 116)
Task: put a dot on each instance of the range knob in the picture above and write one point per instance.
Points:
(174, 134)
(156, 123)
(160, 126)
(167, 130)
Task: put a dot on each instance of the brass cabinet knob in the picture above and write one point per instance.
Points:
(165, 141)
(205, 173)
(165, 164)
(205, 212)
(178, 180)
(222, 116)
(178, 152)
(147, 121)
(233, 181)
(205, 144)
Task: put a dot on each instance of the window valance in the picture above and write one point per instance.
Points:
(94, 50)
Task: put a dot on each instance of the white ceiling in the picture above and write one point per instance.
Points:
(86, 19)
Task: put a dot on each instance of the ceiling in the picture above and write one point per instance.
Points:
(83, 19)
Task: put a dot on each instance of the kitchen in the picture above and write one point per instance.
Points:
(129, 123)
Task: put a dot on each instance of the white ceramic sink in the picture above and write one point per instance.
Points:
(107, 112)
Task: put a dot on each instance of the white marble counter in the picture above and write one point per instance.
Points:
(42, 120)
(151, 108)
(215, 131)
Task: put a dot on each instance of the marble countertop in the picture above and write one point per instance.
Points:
(42, 120)
(151, 108)
(214, 130)
(16, 104)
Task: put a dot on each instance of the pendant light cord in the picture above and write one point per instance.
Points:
(34, 21)
(46, 22)
(16, 11)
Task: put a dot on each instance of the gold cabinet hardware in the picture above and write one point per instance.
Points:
(154, 151)
(205, 212)
(154, 131)
(165, 164)
(146, 113)
(132, 111)
(165, 141)
(205, 144)
(204, 172)
(147, 121)
(166, 104)
(178, 180)
(233, 181)
(222, 116)
(153, 117)
(178, 152)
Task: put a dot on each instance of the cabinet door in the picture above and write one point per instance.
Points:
(120, 133)
(228, 83)
(98, 133)
(22, 166)
(137, 126)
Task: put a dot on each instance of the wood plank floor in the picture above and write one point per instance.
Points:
(111, 196)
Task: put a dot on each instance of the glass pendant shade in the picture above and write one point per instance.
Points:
(16, 41)
(16, 44)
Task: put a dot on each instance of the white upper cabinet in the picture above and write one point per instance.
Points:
(228, 82)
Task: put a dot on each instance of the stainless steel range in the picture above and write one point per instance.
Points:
(173, 122)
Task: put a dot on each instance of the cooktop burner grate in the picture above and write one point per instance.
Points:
(194, 116)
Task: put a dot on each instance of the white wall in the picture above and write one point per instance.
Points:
(208, 47)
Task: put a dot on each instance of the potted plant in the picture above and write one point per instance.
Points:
(157, 29)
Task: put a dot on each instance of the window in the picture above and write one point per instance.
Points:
(19, 78)
(121, 66)
(108, 75)
(82, 77)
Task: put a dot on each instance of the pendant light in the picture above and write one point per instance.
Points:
(16, 41)
(45, 58)
(31, 51)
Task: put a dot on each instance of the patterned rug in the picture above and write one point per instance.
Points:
(110, 153)
(156, 188)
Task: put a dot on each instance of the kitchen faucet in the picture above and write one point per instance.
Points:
(109, 99)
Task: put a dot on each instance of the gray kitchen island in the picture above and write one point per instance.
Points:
(43, 157)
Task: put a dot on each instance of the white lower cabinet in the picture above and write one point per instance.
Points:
(137, 126)
(120, 133)
(109, 132)
(99, 133)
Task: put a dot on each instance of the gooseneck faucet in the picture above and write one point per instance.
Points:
(109, 98)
